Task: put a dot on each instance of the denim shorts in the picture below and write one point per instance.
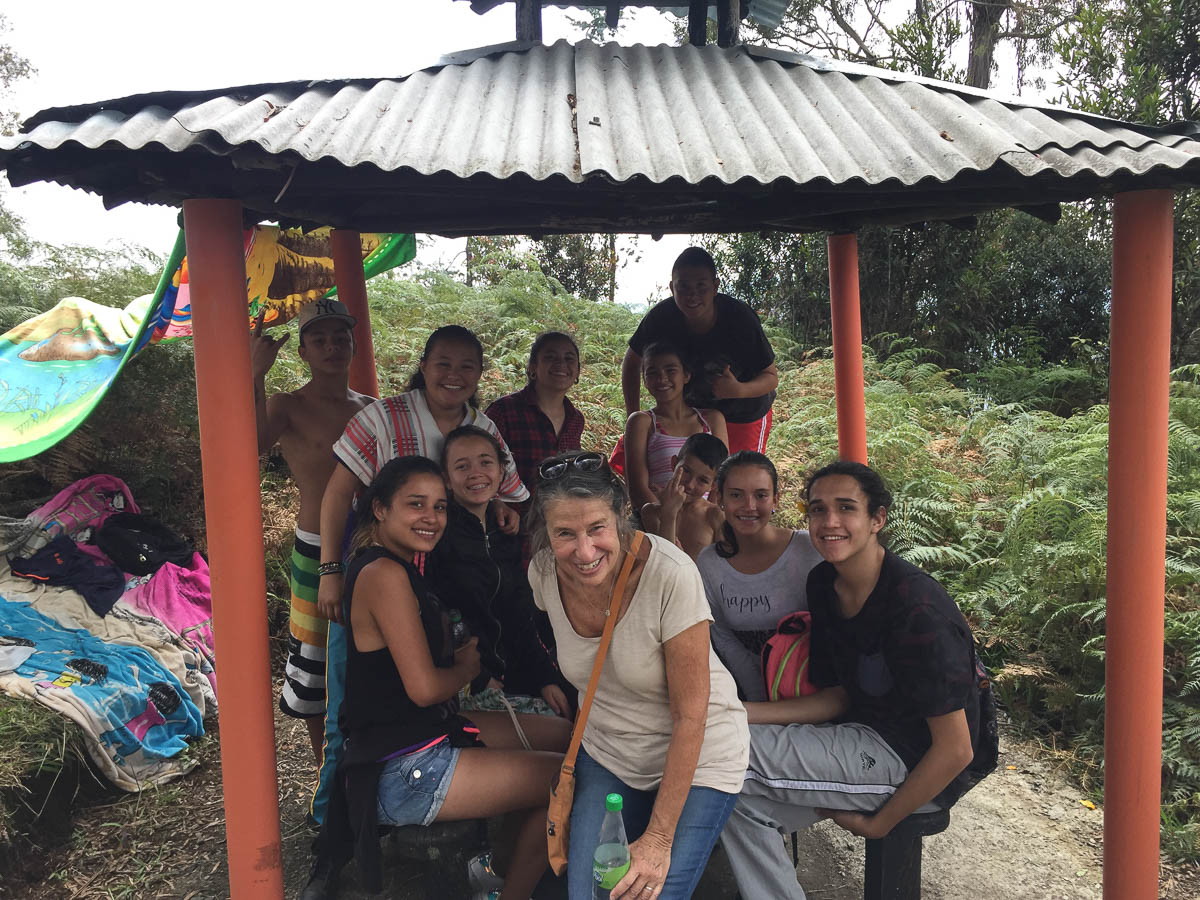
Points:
(412, 788)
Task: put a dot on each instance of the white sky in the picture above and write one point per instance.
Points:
(88, 51)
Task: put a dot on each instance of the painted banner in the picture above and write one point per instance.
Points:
(55, 367)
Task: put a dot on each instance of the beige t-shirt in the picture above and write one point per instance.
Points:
(629, 727)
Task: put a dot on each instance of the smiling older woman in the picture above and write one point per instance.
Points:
(666, 729)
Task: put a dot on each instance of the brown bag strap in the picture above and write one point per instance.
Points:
(615, 604)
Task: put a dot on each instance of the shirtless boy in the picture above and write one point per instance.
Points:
(305, 423)
(683, 513)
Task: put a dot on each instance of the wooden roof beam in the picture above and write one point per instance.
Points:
(698, 23)
(729, 20)
(529, 20)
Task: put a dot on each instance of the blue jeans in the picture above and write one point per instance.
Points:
(699, 826)
(335, 689)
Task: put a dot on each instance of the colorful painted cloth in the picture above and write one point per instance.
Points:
(134, 713)
(57, 366)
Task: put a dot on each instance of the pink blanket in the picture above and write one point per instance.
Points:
(181, 598)
(79, 506)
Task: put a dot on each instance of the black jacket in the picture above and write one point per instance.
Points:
(479, 573)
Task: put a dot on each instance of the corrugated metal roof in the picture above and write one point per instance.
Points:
(566, 137)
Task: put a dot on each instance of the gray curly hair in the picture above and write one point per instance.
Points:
(575, 484)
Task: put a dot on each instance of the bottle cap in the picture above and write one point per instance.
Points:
(613, 802)
(455, 615)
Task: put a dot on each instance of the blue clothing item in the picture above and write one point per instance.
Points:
(126, 701)
(335, 689)
(413, 787)
(696, 833)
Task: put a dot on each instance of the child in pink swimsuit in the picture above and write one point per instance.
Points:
(653, 437)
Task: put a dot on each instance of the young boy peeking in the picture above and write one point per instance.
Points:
(683, 513)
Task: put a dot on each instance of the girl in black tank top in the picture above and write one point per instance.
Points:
(403, 676)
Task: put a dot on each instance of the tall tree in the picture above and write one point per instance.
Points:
(955, 40)
(1140, 60)
(585, 265)
(13, 68)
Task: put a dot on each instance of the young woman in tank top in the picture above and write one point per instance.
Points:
(653, 437)
(410, 757)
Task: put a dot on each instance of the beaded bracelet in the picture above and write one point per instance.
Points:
(330, 568)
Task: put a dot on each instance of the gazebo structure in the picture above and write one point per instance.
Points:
(531, 139)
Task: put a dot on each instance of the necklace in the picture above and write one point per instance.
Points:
(603, 592)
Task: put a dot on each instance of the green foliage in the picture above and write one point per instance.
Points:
(44, 274)
(1014, 289)
(1140, 60)
(13, 68)
(1007, 506)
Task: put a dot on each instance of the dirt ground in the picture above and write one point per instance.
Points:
(1022, 834)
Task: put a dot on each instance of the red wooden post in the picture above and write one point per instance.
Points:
(233, 515)
(847, 347)
(1143, 225)
(352, 290)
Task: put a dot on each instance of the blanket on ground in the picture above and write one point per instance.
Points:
(135, 714)
(180, 598)
(138, 680)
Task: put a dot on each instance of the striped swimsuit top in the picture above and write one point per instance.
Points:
(660, 447)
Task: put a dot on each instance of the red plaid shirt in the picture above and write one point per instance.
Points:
(528, 432)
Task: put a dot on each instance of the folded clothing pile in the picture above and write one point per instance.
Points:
(106, 617)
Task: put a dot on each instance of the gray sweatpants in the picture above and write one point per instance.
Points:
(793, 770)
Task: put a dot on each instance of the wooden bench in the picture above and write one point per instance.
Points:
(893, 867)
(443, 849)
(893, 864)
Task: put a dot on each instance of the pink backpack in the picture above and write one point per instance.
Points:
(785, 658)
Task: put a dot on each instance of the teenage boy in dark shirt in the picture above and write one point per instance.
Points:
(893, 722)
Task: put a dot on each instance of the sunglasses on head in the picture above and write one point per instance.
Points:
(557, 468)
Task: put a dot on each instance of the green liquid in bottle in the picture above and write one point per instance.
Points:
(609, 866)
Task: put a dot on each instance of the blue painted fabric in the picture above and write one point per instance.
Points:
(134, 710)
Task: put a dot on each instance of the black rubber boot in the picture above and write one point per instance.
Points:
(323, 882)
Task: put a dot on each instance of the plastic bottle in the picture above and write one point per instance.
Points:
(458, 629)
(611, 860)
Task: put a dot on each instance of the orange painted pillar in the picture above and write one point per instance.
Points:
(352, 290)
(847, 347)
(1137, 532)
(233, 515)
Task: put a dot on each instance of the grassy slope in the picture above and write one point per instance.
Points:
(1005, 505)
